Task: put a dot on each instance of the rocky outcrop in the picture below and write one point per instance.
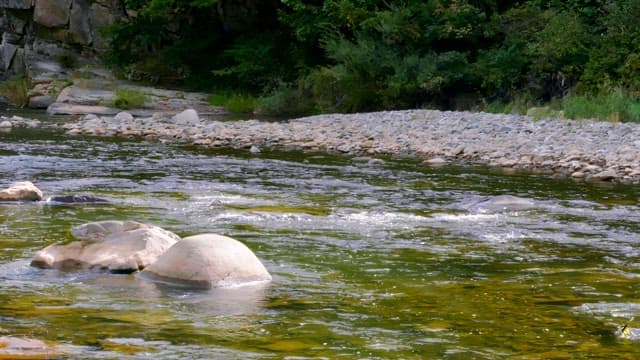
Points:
(117, 246)
(207, 261)
(40, 34)
(21, 191)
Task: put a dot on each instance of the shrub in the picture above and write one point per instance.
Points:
(240, 103)
(15, 90)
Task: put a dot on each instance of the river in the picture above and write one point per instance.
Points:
(371, 259)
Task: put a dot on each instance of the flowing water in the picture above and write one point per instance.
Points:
(370, 259)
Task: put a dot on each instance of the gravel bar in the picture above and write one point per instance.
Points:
(592, 150)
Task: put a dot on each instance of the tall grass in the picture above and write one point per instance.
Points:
(615, 105)
(128, 99)
(16, 90)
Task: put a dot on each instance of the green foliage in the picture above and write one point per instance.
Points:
(128, 99)
(15, 90)
(240, 103)
(357, 55)
(616, 105)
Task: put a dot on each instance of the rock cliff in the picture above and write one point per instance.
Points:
(42, 37)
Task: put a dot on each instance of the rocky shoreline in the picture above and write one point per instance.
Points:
(591, 150)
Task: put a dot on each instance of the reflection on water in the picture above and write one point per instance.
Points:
(370, 259)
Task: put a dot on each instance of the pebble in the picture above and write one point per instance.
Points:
(581, 149)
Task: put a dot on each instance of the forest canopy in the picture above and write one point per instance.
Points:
(356, 55)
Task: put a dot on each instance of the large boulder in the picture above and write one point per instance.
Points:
(52, 13)
(117, 246)
(207, 261)
(21, 191)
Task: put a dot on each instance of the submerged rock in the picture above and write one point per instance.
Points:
(12, 347)
(117, 246)
(76, 199)
(502, 203)
(208, 261)
(21, 191)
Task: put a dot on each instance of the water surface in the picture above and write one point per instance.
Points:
(370, 259)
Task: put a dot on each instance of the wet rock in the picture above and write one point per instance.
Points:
(12, 347)
(21, 191)
(117, 246)
(437, 161)
(76, 199)
(606, 175)
(207, 261)
(502, 203)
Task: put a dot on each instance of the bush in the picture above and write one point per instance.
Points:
(128, 99)
(240, 103)
(15, 90)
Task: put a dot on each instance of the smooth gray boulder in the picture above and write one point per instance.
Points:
(21, 191)
(207, 261)
(117, 246)
(500, 203)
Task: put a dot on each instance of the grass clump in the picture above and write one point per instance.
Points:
(616, 105)
(16, 90)
(235, 103)
(128, 99)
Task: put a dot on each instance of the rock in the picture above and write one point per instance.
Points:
(99, 17)
(437, 161)
(254, 149)
(58, 108)
(123, 117)
(16, 4)
(79, 22)
(606, 175)
(84, 96)
(187, 117)
(76, 199)
(207, 261)
(12, 347)
(51, 13)
(7, 53)
(40, 102)
(6, 124)
(21, 191)
(117, 246)
(502, 203)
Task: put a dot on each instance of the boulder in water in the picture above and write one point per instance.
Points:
(207, 261)
(117, 246)
(76, 199)
(503, 203)
(21, 191)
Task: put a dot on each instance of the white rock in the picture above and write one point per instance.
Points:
(6, 124)
(206, 261)
(123, 116)
(119, 246)
(187, 117)
(21, 191)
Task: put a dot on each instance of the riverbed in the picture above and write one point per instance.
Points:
(373, 258)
